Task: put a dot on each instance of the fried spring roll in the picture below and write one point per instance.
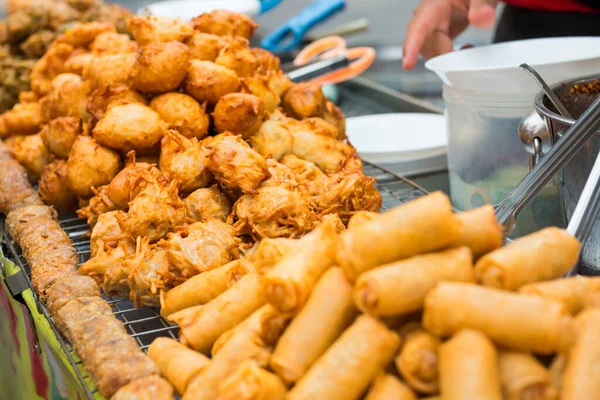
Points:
(387, 387)
(176, 362)
(469, 368)
(512, 320)
(202, 325)
(251, 382)
(580, 378)
(15, 189)
(291, 281)
(202, 288)
(148, 388)
(78, 311)
(346, 368)
(360, 217)
(421, 226)
(400, 288)
(305, 340)
(541, 256)
(73, 287)
(271, 251)
(241, 347)
(418, 361)
(575, 293)
(481, 232)
(524, 378)
(557, 368)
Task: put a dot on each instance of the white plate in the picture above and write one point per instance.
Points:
(495, 68)
(397, 138)
(188, 9)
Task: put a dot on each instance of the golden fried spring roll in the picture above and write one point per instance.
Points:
(327, 313)
(421, 226)
(266, 323)
(481, 232)
(524, 378)
(241, 347)
(176, 362)
(418, 361)
(557, 368)
(400, 288)
(291, 281)
(271, 251)
(360, 217)
(346, 368)
(251, 382)
(202, 288)
(575, 292)
(202, 325)
(469, 368)
(580, 379)
(387, 387)
(541, 256)
(512, 320)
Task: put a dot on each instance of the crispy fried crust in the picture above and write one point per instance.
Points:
(15, 189)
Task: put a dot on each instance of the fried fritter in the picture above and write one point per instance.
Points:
(144, 280)
(104, 99)
(98, 205)
(205, 46)
(155, 29)
(49, 66)
(281, 175)
(82, 34)
(278, 82)
(112, 43)
(207, 203)
(160, 67)
(68, 98)
(239, 113)
(273, 139)
(235, 164)
(79, 63)
(334, 115)
(304, 171)
(304, 100)
(266, 61)
(237, 56)
(208, 82)
(259, 87)
(36, 45)
(23, 119)
(225, 23)
(183, 113)
(110, 70)
(119, 189)
(31, 153)
(54, 187)
(106, 233)
(60, 134)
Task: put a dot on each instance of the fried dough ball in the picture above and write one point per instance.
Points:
(239, 113)
(28, 97)
(106, 232)
(144, 279)
(235, 164)
(153, 29)
(130, 127)
(49, 66)
(112, 43)
(304, 100)
(321, 127)
(110, 70)
(207, 203)
(82, 34)
(23, 119)
(205, 46)
(259, 87)
(31, 153)
(68, 98)
(90, 164)
(119, 188)
(278, 82)
(98, 205)
(160, 67)
(225, 23)
(208, 82)
(334, 115)
(104, 99)
(273, 212)
(184, 160)
(184, 114)
(266, 61)
(238, 57)
(79, 63)
(60, 134)
(273, 139)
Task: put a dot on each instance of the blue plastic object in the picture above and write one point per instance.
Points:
(266, 5)
(290, 34)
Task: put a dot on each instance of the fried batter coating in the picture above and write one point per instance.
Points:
(304, 171)
(273, 212)
(112, 43)
(278, 82)
(110, 70)
(82, 34)
(73, 287)
(28, 97)
(68, 98)
(60, 134)
(199, 247)
(183, 113)
(149, 388)
(225, 23)
(259, 87)
(208, 82)
(239, 113)
(130, 127)
(334, 115)
(235, 164)
(79, 63)
(23, 119)
(281, 175)
(144, 280)
(160, 67)
(207, 203)
(54, 187)
(104, 99)
(153, 29)
(90, 164)
(237, 56)
(31, 153)
(304, 100)
(205, 46)
(15, 189)
(119, 189)
(273, 139)
(49, 66)
(105, 233)
(266, 61)
(98, 205)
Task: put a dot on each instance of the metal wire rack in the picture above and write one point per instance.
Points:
(146, 324)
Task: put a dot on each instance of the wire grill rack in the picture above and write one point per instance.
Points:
(146, 324)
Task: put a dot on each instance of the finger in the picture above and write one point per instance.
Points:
(437, 43)
(482, 13)
(429, 18)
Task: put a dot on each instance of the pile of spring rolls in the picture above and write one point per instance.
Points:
(417, 302)
(110, 356)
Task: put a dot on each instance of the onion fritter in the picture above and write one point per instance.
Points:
(238, 57)
(54, 188)
(304, 100)
(184, 114)
(144, 279)
(100, 204)
(334, 115)
(160, 67)
(208, 82)
(119, 189)
(60, 134)
(259, 87)
(31, 153)
(239, 113)
(104, 99)
(304, 171)
(153, 29)
(207, 203)
(266, 61)
(105, 233)
(273, 139)
(23, 119)
(112, 43)
(225, 23)
(110, 69)
(205, 46)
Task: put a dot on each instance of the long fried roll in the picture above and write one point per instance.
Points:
(481, 232)
(469, 368)
(418, 361)
(541, 256)
(271, 251)
(70, 288)
(400, 288)
(15, 189)
(202, 288)
(202, 325)
(387, 387)
(557, 368)
(78, 311)
(580, 378)
(524, 378)
(515, 321)
(421, 226)
(241, 347)
(176, 362)
(149, 388)
(576, 292)
(305, 340)
(346, 368)
(251, 382)
(291, 281)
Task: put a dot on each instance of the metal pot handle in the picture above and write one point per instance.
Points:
(535, 137)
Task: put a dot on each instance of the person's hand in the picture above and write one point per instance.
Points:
(437, 22)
